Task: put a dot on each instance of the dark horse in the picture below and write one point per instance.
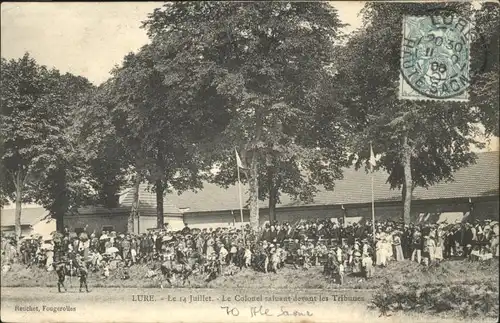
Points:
(184, 269)
(261, 260)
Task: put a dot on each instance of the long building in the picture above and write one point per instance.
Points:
(476, 186)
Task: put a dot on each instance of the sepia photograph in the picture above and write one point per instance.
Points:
(250, 161)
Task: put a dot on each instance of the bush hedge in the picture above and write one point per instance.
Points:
(466, 300)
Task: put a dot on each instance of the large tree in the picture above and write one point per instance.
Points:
(302, 153)
(107, 157)
(38, 154)
(485, 93)
(105, 154)
(160, 121)
(264, 61)
(63, 185)
(420, 142)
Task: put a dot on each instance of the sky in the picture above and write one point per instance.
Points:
(89, 39)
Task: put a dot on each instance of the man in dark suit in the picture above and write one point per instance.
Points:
(280, 237)
(467, 237)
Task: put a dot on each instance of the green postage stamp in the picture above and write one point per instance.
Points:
(435, 56)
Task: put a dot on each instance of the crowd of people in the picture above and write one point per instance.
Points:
(341, 249)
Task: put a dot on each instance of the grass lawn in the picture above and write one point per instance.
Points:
(397, 273)
(458, 288)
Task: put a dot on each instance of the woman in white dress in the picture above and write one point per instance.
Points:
(431, 247)
(438, 249)
(389, 254)
(494, 239)
(381, 250)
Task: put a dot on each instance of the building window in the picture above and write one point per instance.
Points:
(108, 228)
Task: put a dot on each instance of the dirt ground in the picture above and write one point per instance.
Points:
(293, 295)
(42, 304)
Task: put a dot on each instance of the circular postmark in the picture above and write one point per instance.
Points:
(436, 55)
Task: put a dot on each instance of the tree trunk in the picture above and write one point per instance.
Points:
(273, 195)
(160, 222)
(61, 204)
(253, 182)
(407, 181)
(134, 211)
(60, 220)
(403, 199)
(272, 206)
(19, 191)
(254, 192)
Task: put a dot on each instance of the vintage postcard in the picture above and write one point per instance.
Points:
(249, 161)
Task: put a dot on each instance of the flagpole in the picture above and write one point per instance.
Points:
(238, 162)
(372, 168)
(373, 211)
(239, 194)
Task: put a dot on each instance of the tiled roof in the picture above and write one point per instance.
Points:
(29, 216)
(480, 179)
(147, 201)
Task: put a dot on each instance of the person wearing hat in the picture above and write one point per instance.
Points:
(273, 233)
(168, 253)
(439, 244)
(200, 243)
(288, 231)
(61, 270)
(146, 246)
(186, 229)
(398, 250)
(468, 234)
(107, 244)
(428, 250)
(321, 251)
(247, 255)
(232, 252)
(274, 258)
(367, 265)
(356, 262)
(210, 246)
(222, 255)
(112, 236)
(133, 248)
(380, 250)
(494, 240)
(125, 246)
(82, 274)
(266, 233)
(417, 246)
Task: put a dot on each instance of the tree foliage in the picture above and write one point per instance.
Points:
(420, 142)
(264, 61)
(485, 91)
(161, 123)
(39, 155)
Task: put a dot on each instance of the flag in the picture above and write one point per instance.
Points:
(238, 160)
(372, 158)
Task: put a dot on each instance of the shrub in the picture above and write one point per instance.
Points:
(469, 300)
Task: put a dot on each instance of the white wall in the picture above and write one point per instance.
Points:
(45, 227)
